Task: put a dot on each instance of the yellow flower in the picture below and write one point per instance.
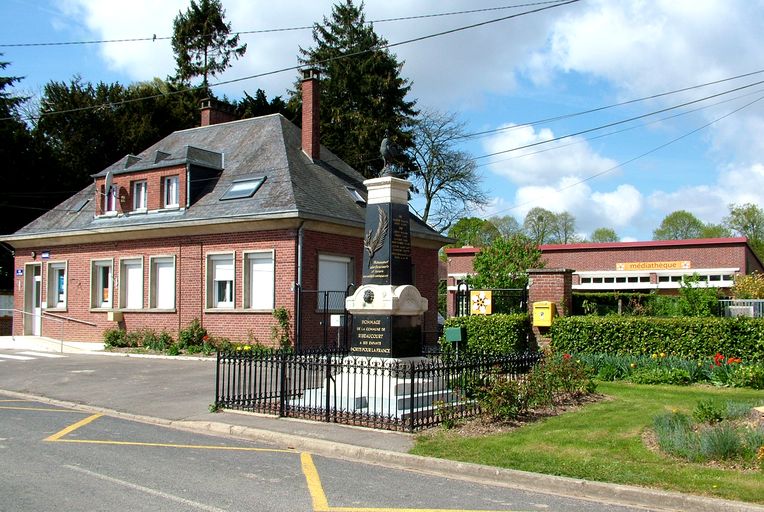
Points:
(247, 348)
(633, 365)
(654, 356)
(663, 354)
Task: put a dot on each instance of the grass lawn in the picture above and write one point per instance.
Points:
(603, 441)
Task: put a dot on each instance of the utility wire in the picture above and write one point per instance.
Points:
(271, 30)
(292, 68)
(616, 123)
(606, 107)
(642, 155)
(622, 130)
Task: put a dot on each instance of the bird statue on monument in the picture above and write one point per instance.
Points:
(391, 155)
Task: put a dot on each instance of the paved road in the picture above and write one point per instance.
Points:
(56, 458)
(349, 467)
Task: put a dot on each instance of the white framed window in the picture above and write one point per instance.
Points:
(335, 273)
(140, 201)
(131, 283)
(171, 195)
(220, 281)
(101, 284)
(259, 280)
(57, 285)
(110, 200)
(162, 282)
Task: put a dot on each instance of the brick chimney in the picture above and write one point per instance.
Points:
(215, 112)
(311, 142)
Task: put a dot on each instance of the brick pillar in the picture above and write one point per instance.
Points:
(554, 285)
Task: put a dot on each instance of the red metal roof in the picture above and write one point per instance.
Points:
(619, 245)
(645, 244)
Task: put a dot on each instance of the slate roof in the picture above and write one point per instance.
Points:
(267, 146)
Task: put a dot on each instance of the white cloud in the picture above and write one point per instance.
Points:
(448, 68)
(542, 163)
(619, 207)
(734, 185)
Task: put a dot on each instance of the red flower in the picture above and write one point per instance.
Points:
(566, 356)
(205, 338)
(734, 360)
(718, 359)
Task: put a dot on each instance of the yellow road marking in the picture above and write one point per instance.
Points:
(45, 409)
(320, 504)
(318, 497)
(71, 428)
(170, 445)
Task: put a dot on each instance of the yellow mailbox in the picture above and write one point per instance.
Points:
(543, 312)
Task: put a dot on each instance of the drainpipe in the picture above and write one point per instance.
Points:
(298, 289)
(188, 186)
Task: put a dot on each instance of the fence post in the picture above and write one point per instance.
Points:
(411, 404)
(327, 412)
(217, 380)
(282, 383)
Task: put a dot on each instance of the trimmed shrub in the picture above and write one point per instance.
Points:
(114, 338)
(192, 336)
(690, 338)
(494, 333)
(674, 376)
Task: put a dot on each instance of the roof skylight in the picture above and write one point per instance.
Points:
(358, 198)
(241, 189)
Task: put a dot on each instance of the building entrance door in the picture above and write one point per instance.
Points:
(33, 301)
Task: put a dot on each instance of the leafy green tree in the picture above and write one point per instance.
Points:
(748, 220)
(363, 96)
(111, 121)
(474, 232)
(504, 263)
(260, 106)
(26, 189)
(679, 225)
(447, 177)
(507, 225)
(539, 225)
(202, 42)
(564, 229)
(715, 231)
(696, 298)
(601, 235)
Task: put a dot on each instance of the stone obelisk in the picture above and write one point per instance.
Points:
(387, 309)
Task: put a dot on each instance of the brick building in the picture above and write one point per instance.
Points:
(632, 266)
(219, 223)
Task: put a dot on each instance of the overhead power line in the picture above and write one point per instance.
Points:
(154, 37)
(616, 123)
(298, 66)
(606, 107)
(635, 158)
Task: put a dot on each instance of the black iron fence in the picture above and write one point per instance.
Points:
(502, 300)
(388, 394)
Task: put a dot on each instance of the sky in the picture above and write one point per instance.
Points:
(516, 83)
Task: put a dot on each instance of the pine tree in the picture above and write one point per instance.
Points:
(363, 96)
(201, 42)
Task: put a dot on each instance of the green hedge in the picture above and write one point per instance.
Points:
(692, 338)
(494, 333)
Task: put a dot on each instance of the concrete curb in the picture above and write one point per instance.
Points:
(600, 492)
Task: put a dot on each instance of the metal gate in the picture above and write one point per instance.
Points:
(321, 320)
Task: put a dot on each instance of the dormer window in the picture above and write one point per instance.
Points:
(110, 203)
(140, 200)
(171, 192)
